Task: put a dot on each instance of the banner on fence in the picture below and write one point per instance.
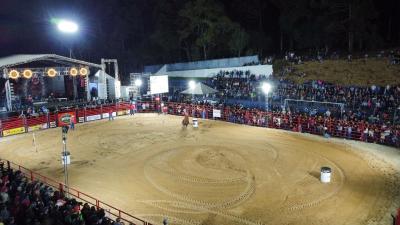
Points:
(121, 113)
(65, 119)
(216, 113)
(93, 117)
(18, 130)
(106, 115)
(53, 124)
(81, 119)
(37, 127)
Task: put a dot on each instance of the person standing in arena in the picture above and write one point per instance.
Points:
(72, 124)
(110, 115)
(132, 109)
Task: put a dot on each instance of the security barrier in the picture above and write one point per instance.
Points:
(111, 211)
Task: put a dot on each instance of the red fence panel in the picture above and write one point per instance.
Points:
(112, 211)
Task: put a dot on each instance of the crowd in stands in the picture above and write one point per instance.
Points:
(393, 56)
(375, 104)
(321, 125)
(23, 202)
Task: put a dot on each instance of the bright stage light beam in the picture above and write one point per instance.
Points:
(67, 26)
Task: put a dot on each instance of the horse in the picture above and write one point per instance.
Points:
(185, 121)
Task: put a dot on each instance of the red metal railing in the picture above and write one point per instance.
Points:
(112, 211)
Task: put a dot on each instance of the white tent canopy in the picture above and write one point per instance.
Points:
(199, 89)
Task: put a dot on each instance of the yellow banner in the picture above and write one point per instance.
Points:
(120, 113)
(36, 127)
(18, 130)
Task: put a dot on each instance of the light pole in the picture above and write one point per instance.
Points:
(192, 85)
(65, 157)
(266, 88)
(68, 27)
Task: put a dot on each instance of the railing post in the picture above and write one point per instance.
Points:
(84, 114)
(48, 120)
(25, 122)
(31, 175)
(56, 114)
(1, 129)
(8, 165)
(60, 187)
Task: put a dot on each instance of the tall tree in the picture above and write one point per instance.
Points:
(239, 40)
(204, 23)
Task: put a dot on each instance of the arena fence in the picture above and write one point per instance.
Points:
(111, 212)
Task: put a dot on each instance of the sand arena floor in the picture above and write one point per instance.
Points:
(221, 173)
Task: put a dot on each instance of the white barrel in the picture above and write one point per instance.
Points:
(65, 158)
(326, 174)
(195, 123)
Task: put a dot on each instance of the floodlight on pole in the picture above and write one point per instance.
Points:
(67, 26)
(266, 88)
(192, 84)
(138, 82)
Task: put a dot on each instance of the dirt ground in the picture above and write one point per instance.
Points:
(220, 173)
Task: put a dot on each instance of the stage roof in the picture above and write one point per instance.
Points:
(15, 60)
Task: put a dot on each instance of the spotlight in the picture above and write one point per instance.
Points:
(83, 71)
(266, 87)
(138, 82)
(67, 26)
(73, 71)
(192, 84)
(13, 74)
(27, 73)
(51, 72)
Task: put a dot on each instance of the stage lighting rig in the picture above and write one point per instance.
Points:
(51, 72)
(27, 73)
(13, 74)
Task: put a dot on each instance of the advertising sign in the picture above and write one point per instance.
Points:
(18, 130)
(52, 124)
(81, 119)
(216, 113)
(37, 127)
(64, 119)
(158, 84)
(93, 117)
(121, 113)
(106, 115)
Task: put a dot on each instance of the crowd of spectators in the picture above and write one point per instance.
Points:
(321, 125)
(393, 56)
(375, 104)
(24, 202)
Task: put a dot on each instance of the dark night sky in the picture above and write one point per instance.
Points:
(122, 28)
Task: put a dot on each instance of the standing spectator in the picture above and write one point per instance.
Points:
(110, 115)
(132, 109)
(349, 131)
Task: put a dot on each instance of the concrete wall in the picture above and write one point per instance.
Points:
(204, 73)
